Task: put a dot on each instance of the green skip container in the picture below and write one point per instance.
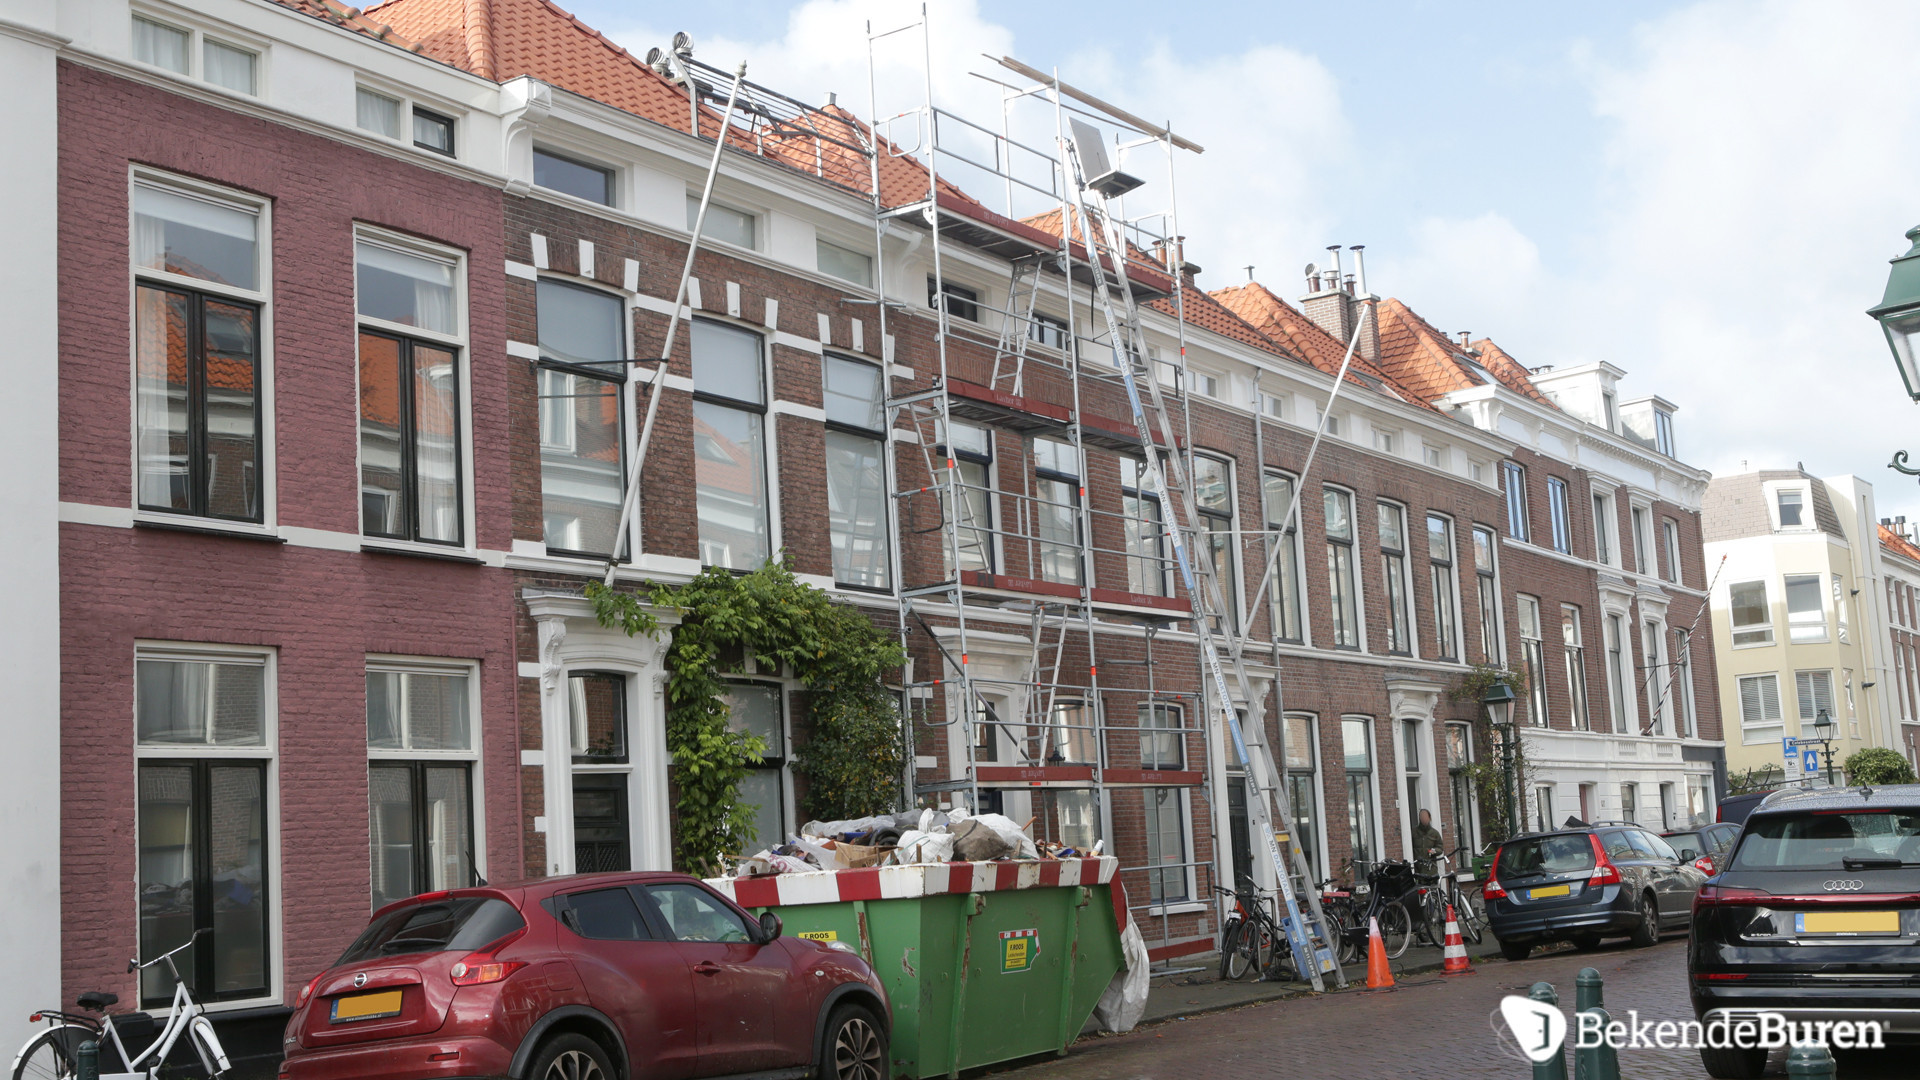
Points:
(983, 962)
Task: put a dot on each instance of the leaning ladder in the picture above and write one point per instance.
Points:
(1308, 938)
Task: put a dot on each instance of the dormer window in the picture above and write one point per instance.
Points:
(1663, 432)
(1612, 410)
(1791, 502)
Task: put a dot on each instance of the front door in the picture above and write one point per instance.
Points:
(742, 990)
(601, 841)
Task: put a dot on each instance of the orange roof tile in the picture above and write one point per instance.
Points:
(1898, 544)
(1429, 363)
(351, 18)
(1302, 338)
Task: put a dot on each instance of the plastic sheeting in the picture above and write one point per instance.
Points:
(1125, 999)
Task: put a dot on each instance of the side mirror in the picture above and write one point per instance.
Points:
(769, 926)
(1687, 854)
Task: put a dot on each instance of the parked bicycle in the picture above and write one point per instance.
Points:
(1247, 942)
(1441, 889)
(54, 1054)
(1392, 896)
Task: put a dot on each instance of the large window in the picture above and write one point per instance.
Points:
(1560, 513)
(1446, 633)
(1642, 541)
(602, 769)
(1166, 822)
(729, 446)
(1605, 525)
(1670, 541)
(1683, 682)
(572, 176)
(1572, 638)
(857, 472)
(1071, 739)
(970, 451)
(198, 299)
(410, 392)
(1342, 598)
(203, 728)
(1411, 761)
(1303, 784)
(1056, 510)
(959, 301)
(1814, 689)
(1652, 644)
(1759, 708)
(583, 343)
(421, 750)
(1486, 573)
(1147, 568)
(1514, 479)
(1617, 681)
(1466, 822)
(755, 708)
(1213, 495)
(1393, 563)
(1162, 744)
(1278, 493)
(1806, 617)
(1752, 615)
(1533, 659)
(1356, 736)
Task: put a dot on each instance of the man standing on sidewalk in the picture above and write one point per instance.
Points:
(1427, 842)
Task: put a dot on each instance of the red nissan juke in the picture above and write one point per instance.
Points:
(592, 977)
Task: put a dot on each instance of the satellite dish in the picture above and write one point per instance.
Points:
(683, 43)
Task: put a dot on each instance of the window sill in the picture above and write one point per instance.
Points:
(206, 527)
(1184, 907)
(421, 551)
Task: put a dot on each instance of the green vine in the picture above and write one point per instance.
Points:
(854, 757)
(1499, 817)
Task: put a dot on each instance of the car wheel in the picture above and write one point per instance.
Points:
(1515, 950)
(1733, 1063)
(1585, 942)
(1647, 930)
(855, 1047)
(572, 1057)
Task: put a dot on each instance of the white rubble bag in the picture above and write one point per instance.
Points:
(1124, 1001)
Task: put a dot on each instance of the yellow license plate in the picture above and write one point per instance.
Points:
(367, 1006)
(1546, 891)
(1848, 922)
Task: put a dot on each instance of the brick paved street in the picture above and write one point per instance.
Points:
(1430, 1026)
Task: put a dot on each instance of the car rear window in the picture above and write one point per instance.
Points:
(1545, 855)
(461, 923)
(1824, 841)
(1689, 841)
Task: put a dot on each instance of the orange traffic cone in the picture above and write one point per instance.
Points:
(1379, 975)
(1454, 960)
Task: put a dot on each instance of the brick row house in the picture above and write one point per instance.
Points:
(334, 468)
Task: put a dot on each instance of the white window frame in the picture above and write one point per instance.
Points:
(1764, 730)
(269, 751)
(1410, 604)
(1354, 567)
(1538, 704)
(1812, 677)
(821, 241)
(1458, 643)
(1606, 528)
(1640, 521)
(1434, 456)
(1806, 623)
(883, 447)
(1297, 581)
(199, 31)
(1318, 787)
(1377, 841)
(1519, 515)
(758, 221)
(1499, 643)
(1387, 441)
(1653, 632)
(262, 297)
(616, 176)
(472, 757)
(1184, 807)
(458, 341)
(1773, 493)
(1737, 629)
(1560, 515)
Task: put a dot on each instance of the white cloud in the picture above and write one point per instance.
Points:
(1482, 269)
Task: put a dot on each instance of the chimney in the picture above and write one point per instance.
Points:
(1369, 347)
(1327, 304)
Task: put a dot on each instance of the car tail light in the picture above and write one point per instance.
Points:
(307, 991)
(1604, 872)
(1711, 895)
(1704, 864)
(485, 966)
(1492, 890)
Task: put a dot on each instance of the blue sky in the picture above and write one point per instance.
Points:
(1703, 193)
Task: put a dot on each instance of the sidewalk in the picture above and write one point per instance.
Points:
(1173, 997)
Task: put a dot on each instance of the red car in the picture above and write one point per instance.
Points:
(629, 976)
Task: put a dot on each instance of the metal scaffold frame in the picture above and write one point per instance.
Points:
(1098, 244)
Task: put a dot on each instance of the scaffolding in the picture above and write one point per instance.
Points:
(1037, 547)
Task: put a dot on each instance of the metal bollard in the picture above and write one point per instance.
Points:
(87, 1061)
(1813, 1062)
(1555, 1067)
(1586, 994)
(1600, 1062)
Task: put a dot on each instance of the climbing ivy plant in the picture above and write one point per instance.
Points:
(853, 759)
(1488, 774)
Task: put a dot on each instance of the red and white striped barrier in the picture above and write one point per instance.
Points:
(928, 879)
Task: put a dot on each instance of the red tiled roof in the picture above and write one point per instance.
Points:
(351, 18)
(1427, 362)
(1898, 544)
(1301, 337)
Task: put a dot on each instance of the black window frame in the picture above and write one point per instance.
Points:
(413, 136)
(409, 441)
(199, 485)
(417, 791)
(619, 382)
(200, 973)
(961, 302)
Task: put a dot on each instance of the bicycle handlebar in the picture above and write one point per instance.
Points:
(134, 964)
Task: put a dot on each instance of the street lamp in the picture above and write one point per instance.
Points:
(1823, 734)
(1899, 314)
(1499, 702)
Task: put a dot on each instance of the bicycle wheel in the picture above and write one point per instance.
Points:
(1234, 960)
(1468, 918)
(47, 1058)
(1396, 928)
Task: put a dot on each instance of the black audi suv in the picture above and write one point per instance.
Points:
(1814, 915)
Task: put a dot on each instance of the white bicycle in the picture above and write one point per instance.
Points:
(54, 1054)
